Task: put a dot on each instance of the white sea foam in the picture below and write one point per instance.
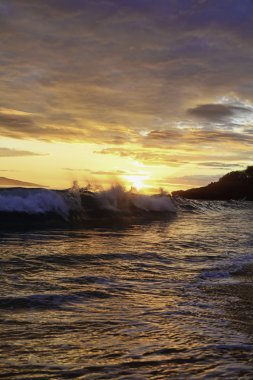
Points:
(159, 203)
(80, 201)
(117, 199)
(33, 201)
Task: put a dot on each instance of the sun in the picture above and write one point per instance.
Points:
(135, 181)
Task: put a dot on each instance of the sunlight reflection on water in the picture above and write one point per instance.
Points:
(143, 301)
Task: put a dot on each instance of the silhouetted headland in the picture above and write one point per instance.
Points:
(236, 185)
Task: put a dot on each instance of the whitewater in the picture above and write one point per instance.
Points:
(19, 206)
(118, 285)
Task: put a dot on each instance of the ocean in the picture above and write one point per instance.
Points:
(162, 290)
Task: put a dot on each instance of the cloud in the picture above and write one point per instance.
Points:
(110, 173)
(12, 112)
(7, 152)
(7, 170)
(75, 170)
(183, 157)
(9, 182)
(103, 71)
(190, 139)
(15, 121)
(148, 156)
(191, 180)
(220, 165)
(216, 112)
(99, 172)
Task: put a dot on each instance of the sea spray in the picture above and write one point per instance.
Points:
(118, 200)
(32, 201)
(79, 205)
(155, 203)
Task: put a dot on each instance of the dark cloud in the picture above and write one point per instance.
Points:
(249, 131)
(16, 122)
(103, 71)
(195, 138)
(219, 137)
(216, 112)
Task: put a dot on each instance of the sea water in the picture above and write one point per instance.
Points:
(169, 298)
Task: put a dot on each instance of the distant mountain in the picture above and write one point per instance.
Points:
(9, 182)
(234, 185)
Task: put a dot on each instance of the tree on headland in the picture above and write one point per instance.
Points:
(234, 185)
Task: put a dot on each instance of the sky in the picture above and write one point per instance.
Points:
(141, 92)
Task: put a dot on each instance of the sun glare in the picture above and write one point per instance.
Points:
(135, 181)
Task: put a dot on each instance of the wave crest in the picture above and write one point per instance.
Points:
(76, 205)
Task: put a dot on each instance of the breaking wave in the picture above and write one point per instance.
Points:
(32, 201)
(19, 205)
(81, 206)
